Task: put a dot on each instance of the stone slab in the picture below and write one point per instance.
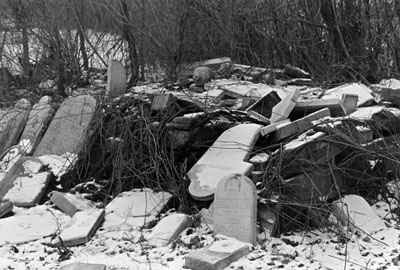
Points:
(5, 207)
(39, 119)
(235, 208)
(133, 209)
(299, 125)
(378, 117)
(282, 110)
(163, 102)
(116, 78)
(188, 121)
(83, 266)
(81, 227)
(227, 155)
(217, 256)
(168, 229)
(28, 190)
(26, 228)
(264, 131)
(12, 124)
(355, 212)
(265, 104)
(207, 216)
(363, 92)
(70, 203)
(9, 158)
(67, 131)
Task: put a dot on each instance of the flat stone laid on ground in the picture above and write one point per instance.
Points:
(133, 209)
(228, 154)
(5, 207)
(355, 212)
(12, 124)
(70, 203)
(282, 110)
(81, 227)
(168, 229)
(83, 266)
(217, 256)
(38, 121)
(235, 208)
(363, 92)
(116, 78)
(67, 131)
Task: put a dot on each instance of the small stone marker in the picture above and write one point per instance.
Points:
(38, 121)
(5, 207)
(70, 203)
(133, 209)
(84, 266)
(217, 256)
(168, 229)
(12, 124)
(362, 91)
(116, 78)
(235, 208)
(354, 211)
(227, 155)
(282, 110)
(81, 227)
(67, 131)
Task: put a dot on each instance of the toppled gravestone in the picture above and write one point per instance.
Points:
(67, 131)
(38, 121)
(70, 203)
(133, 209)
(235, 208)
(227, 155)
(116, 78)
(12, 124)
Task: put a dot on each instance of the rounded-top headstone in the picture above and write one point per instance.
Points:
(45, 100)
(23, 104)
(235, 208)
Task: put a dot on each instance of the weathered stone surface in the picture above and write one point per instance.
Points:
(133, 209)
(355, 212)
(235, 208)
(38, 121)
(362, 91)
(12, 124)
(207, 216)
(5, 207)
(186, 69)
(9, 157)
(28, 190)
(70, 203)
(116, 78)
(201, 75)
(81, 227)
(282, 110)
(264, 131)
(299, 125)
(265, 104)
(227, 155)
(84, 266)
(67, 131)
(259, 161)
(217, 256)
(268, 215)
(188, 121)
(379, 118)
(163, 102)
(168, 229)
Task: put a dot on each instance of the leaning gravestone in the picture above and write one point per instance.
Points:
(67, 131)
(38, 121)
(116, 78)
(12, 123)
(235, 208)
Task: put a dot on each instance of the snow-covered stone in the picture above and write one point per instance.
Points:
(363, 92)
(83, 266)
(5, 207)
(70, 203)
(282, 110)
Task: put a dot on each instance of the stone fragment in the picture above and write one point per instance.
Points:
(188, 121)
(133, 209)
(201, 75)
(355, 212)
(38, 121)
(364, 94)
(83, 266)
(235, 208)
(216, 64)
(9, 158)
(259, 161)
(80, 228)
(207, 216)
(12, 124)
(389, 83)
(180, 138)
(259, 117)
(5, 207)
(227, 155)
(67, 131)
(379, 118)
(282, 110)
(295, 72)
(264, 131)
(163, 102)
(217, 256)
(268, 215)
(299, 125)
(265, 104)
(116, 78)
(168, 229)
(70, 203)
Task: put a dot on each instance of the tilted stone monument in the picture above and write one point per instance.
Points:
(67, 131)
(116, 78)
(38, 121)
(235, 208)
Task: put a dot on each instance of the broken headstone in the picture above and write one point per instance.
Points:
(282, 110)
(70, 203)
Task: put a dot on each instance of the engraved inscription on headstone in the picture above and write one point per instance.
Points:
(116, 78)
(235, 208)
(67, 131)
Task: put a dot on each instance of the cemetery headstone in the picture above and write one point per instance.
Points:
(235, 208)
(67, 131)
(38, 121)
(116, 78)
